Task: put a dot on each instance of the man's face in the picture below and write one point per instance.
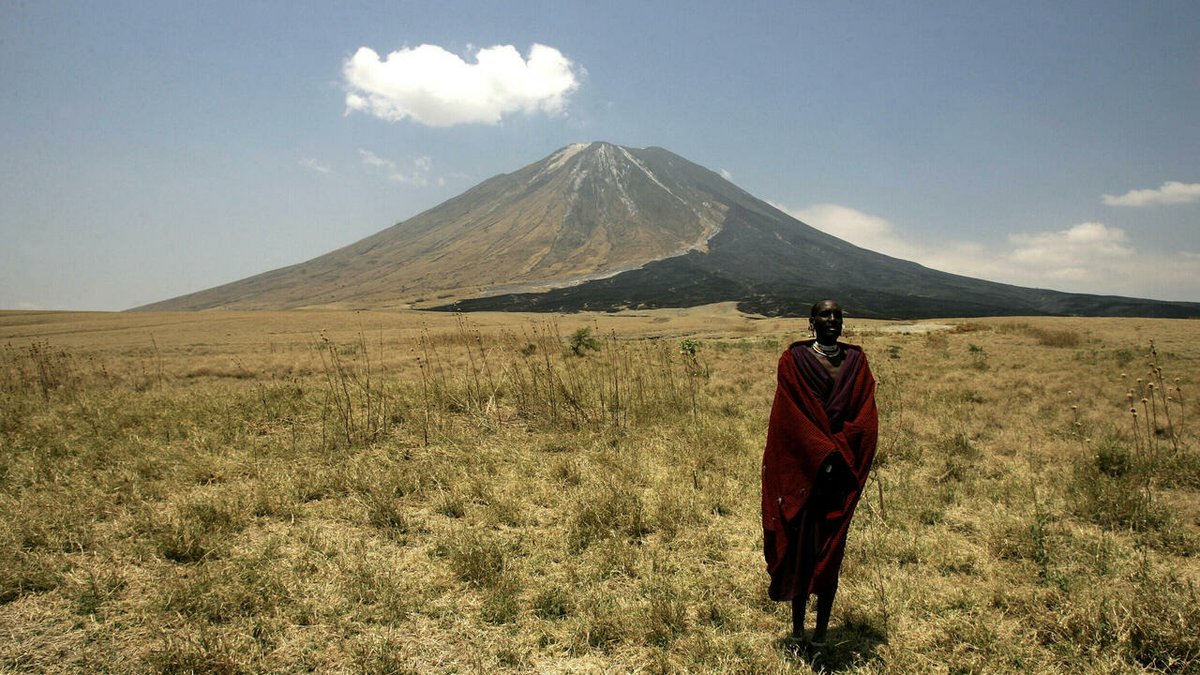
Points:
(826, 324)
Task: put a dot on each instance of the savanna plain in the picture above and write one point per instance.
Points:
(381, 492)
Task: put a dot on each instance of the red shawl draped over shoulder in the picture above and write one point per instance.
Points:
(815, 420)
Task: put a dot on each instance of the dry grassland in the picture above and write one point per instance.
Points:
(416, 492)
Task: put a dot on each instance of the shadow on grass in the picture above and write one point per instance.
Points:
(850, 645)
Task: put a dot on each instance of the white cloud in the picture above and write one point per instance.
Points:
(371, 159)
(726, 174)
(854, 226)
(1069, 251)
(1171, 192)
(431, 86)
(1085, 258)
(414, 170)
(313, 164)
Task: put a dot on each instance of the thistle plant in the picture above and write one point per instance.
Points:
(1162, 389)
(1137, 436)
(1179, 399)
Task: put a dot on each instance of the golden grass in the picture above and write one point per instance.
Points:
(384, 492)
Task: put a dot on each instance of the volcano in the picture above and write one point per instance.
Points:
(603, 227)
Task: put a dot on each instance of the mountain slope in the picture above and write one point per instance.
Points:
(586, 211)
(601, 227)
(771, 263)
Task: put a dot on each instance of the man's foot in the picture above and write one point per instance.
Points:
(816, 652)
(795, 646)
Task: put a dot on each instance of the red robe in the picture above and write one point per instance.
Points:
(815, 422)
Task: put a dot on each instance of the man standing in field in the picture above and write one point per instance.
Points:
(820, 443)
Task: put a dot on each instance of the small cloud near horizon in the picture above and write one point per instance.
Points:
(726, 174)
(436, 88)
(1089, 257)
(1171, 192)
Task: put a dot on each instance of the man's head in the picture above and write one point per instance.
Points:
(826, 321)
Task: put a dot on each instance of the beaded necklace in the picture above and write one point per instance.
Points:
(820, 350)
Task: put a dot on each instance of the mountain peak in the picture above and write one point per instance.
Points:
(602, 226)
(587, 211)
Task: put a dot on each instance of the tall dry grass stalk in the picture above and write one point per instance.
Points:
(356, 401)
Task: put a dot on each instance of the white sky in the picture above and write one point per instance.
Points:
(153, 149)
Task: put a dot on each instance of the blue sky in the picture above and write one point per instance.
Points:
(153, 149)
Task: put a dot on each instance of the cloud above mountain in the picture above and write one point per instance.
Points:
(1171, 192)
(314, 164)
(434, 87)
(412, 171)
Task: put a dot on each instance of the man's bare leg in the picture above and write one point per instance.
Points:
(798, 606)
(824, 610)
